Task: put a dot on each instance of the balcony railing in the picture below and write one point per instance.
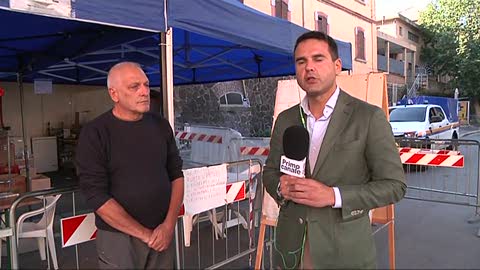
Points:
(396, 66)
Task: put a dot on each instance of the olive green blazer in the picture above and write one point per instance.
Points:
(358, 155)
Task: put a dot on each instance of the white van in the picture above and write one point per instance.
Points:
(422, 121)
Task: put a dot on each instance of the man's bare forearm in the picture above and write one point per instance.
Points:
(115, 215)
(176, 201)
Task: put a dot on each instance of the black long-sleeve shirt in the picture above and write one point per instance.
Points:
(132, 162)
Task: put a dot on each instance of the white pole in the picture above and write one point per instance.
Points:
(167, 75)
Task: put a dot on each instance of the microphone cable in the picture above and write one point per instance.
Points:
(301, 249)
(301, 111)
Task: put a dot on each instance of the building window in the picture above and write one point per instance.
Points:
(413, 37)
(321, 23)
(359, 44)
(281, 9)
(400, 31)
(234, 99)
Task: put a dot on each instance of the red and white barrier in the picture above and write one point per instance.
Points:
(427, 151)
(190, 136)
(254, 151)
(78, 229)
(440, 160)
(236, 192)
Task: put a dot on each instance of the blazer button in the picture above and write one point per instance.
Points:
(300, 220)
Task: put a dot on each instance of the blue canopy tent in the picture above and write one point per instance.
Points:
(35, 43)
(213, 40)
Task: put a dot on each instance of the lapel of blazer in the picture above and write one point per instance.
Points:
(340, 117)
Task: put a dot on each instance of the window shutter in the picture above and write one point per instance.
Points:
(359, 43)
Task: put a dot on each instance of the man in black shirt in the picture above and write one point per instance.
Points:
(130, 172)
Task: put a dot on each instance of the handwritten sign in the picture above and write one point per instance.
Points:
(204, 188)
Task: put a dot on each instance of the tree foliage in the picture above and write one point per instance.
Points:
(452, 38)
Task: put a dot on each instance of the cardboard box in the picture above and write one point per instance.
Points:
(40, 182)
(32, 172)
(17, 183)
(21, 162)
(21, 165)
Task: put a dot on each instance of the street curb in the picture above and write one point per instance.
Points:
(469, 133)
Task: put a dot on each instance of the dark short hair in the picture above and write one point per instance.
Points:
(332, 45)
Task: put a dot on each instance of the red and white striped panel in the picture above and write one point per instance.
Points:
(236, 192)
(427, 151)
(440, 160)
(254, 151)
(190, 136)
(78, 229)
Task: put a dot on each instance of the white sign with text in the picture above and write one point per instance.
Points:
(292, 167)
(205, 188)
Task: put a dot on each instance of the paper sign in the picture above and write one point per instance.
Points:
(204, 188)
(42, 86)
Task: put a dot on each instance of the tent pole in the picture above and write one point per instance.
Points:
(160, 68)
(24, 135)
(166, 49)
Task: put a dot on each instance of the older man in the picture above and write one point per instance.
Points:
(130, 172)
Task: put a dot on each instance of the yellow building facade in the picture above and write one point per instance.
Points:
(351, 21)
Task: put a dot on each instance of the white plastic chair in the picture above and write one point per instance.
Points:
(43, 229)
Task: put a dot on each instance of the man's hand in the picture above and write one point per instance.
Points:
(115, 215)
(306, 191)
(161, 237)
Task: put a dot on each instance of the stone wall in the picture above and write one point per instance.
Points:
(199, 104)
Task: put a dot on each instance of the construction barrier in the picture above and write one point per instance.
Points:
(250, 148)
(222, 236)
(442, 175)
(205, 145)
(190, 136)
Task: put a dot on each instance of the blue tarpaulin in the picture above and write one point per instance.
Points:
(30, 43)
(214, 40)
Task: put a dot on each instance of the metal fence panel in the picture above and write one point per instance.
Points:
(225, 236)
(445, 183)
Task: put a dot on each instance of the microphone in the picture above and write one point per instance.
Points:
(295, 146)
